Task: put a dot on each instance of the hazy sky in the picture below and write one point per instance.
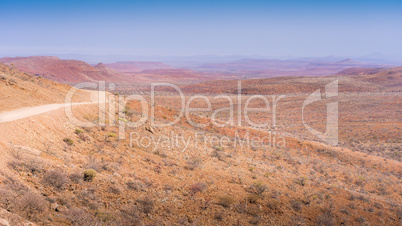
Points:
(219, 27)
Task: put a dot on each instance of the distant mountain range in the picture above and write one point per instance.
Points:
(146, 72)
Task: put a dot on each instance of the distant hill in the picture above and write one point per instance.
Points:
(254, 68)
(19, 89)
(350, 80)
(137, 66)
(65, 71)
(361, 71)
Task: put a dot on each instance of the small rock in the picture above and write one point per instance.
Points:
(3, 222)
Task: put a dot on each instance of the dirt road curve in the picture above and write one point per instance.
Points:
(31, 111)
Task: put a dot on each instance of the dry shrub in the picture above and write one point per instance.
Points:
(80, 217)
(56, 178)
(7, 198)
(16, 165)
(255, 220)
(241, 207)
(84, 137)
(254, 210)
(87, 195)
(76, 177)
(136, 185)
(17, 153)
(169, 162)
(345, 211)
(219, 154)
(198, 187)
(274, 205)
(130, 216)
(218, 216)
(31, 204)
(298, 220)
(115, 189)
(105, 217)
(226, 200)
(296, 205)
(253, 198)
(168, 187)
(146, 204)
(193, 164)
(28, 163)
(326, 218)
(300, 181)
(258, 188)
(95, 164)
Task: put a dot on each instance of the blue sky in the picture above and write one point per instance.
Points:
(218, 27)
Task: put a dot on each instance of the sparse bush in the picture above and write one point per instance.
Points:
(34, 165)
(218, 216)
(130, 216)
(68, 141)
(273, 204)
(96, 164)
(255, 220)
(254, 210)
(193, 164)
(344, 211)
(31, 204)
(219, 153)
(16, 165)
(361, 219)
(146, 204)
(135, 185)
(56, 178)
(31, 164)
(7, 198)
(226, 200)
(84, 137)
(80, 217)
(253, 198)
(298, 220)
(78, 131)
(258, 188)
(198, 187)
(17, 153)
(168, 187)
(76, 178)
(105, 217)
(89, 175)
(115, 189)
(326, 218)
(301, 181)
(296, 205)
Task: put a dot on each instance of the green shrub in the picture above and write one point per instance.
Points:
(78, 131)
(111, 135)
(89, 174)
(68, 141)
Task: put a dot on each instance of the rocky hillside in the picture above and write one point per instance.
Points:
(65, 71)
(19, 89)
